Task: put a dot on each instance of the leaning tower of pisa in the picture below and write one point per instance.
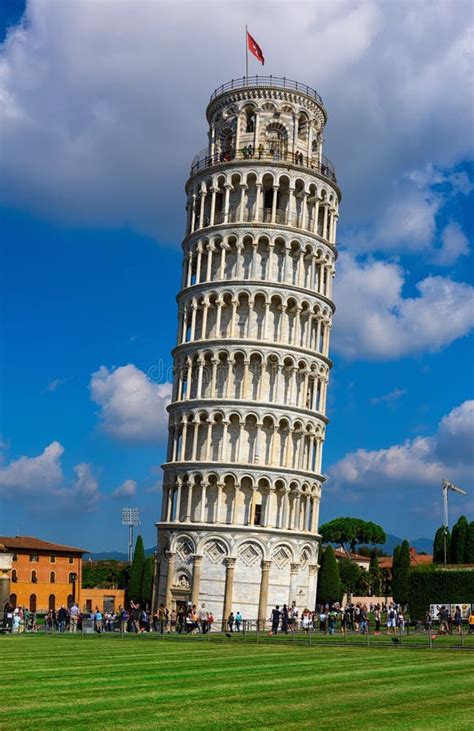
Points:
(247, 422)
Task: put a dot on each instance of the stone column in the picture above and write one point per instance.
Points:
(213, 206)
(226, 202)
(312, 585)
(196, 579)
(189, 501)
(6, 560)
(274, 203)
(203, 501)
(263, 597)
(229, 587)
(258, 199)
(294, 569)
(170, 559)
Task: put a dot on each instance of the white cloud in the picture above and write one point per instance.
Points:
(375, 321)
(28, 473)
(56, 383)
(389, 398)
(423, 461)
(454, 243)
(41, 481)
(132, 408)
(128, 488)
(100, 116)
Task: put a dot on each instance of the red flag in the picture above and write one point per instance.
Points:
(255, 48)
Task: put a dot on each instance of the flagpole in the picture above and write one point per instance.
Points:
(246, 53)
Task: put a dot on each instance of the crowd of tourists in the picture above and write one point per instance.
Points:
(328, 619)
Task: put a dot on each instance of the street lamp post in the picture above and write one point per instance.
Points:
(131, 518)
(446, 487)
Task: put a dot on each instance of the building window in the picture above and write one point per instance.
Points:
(33, 558)
(72, 578)
(71, 559)
(89, 605)
(70, 600)
(258, 515)
(32, 602)
(52, 602)
(52, 577)
(52, 558)
(13, 599)
(15, 557)
(14, 576)
(34, 577)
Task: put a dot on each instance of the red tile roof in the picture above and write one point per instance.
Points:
(416, 559)
(36, 544)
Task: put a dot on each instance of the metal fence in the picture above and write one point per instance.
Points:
(279, 82)
(412, 637)
(324, 166)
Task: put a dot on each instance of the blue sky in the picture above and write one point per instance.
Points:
(103, 110)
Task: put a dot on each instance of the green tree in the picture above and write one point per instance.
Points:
(438, 545)
(349, 573)
(401, 573)
(375, 576)
(351, 531)
(329, 583)
(147, 581)
(458, 540)
(136, 575)
(469, 550)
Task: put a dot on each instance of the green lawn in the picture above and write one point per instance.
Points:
(51, 682)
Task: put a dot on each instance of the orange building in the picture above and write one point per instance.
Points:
(44, 575)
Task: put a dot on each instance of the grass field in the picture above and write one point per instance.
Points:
(68, 682)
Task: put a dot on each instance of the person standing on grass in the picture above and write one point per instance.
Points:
(322, 621)
(275, 619)
(203, 621)
(173, 618)
(74, 617)
(284, 619)
(62, 618)
(378, 618)
(391, 620)
(238, 621)
(458, 620)
(230, 622)
(99, 619)
(332, 621)
(471, 622)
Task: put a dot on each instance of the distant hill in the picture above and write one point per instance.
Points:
(115, 555)
(421, 544)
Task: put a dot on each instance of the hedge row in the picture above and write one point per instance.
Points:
(438, 587)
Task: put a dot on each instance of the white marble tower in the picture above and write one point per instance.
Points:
(242, 481)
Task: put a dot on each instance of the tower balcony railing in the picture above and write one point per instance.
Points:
(278, 82)
(270, 154)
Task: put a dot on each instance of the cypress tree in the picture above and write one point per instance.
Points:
(147, 581)
(438, 545)
(469, 551)
(401, 574)
(375, 575)
(136, 575)
(458, 540)
(329, 583)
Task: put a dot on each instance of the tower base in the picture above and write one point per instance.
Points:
(235, 569)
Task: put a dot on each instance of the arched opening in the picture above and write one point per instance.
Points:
(52, 603)
(32, 602)
(13, 599)
(34, 577)
(14, 576)
(52, 577)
